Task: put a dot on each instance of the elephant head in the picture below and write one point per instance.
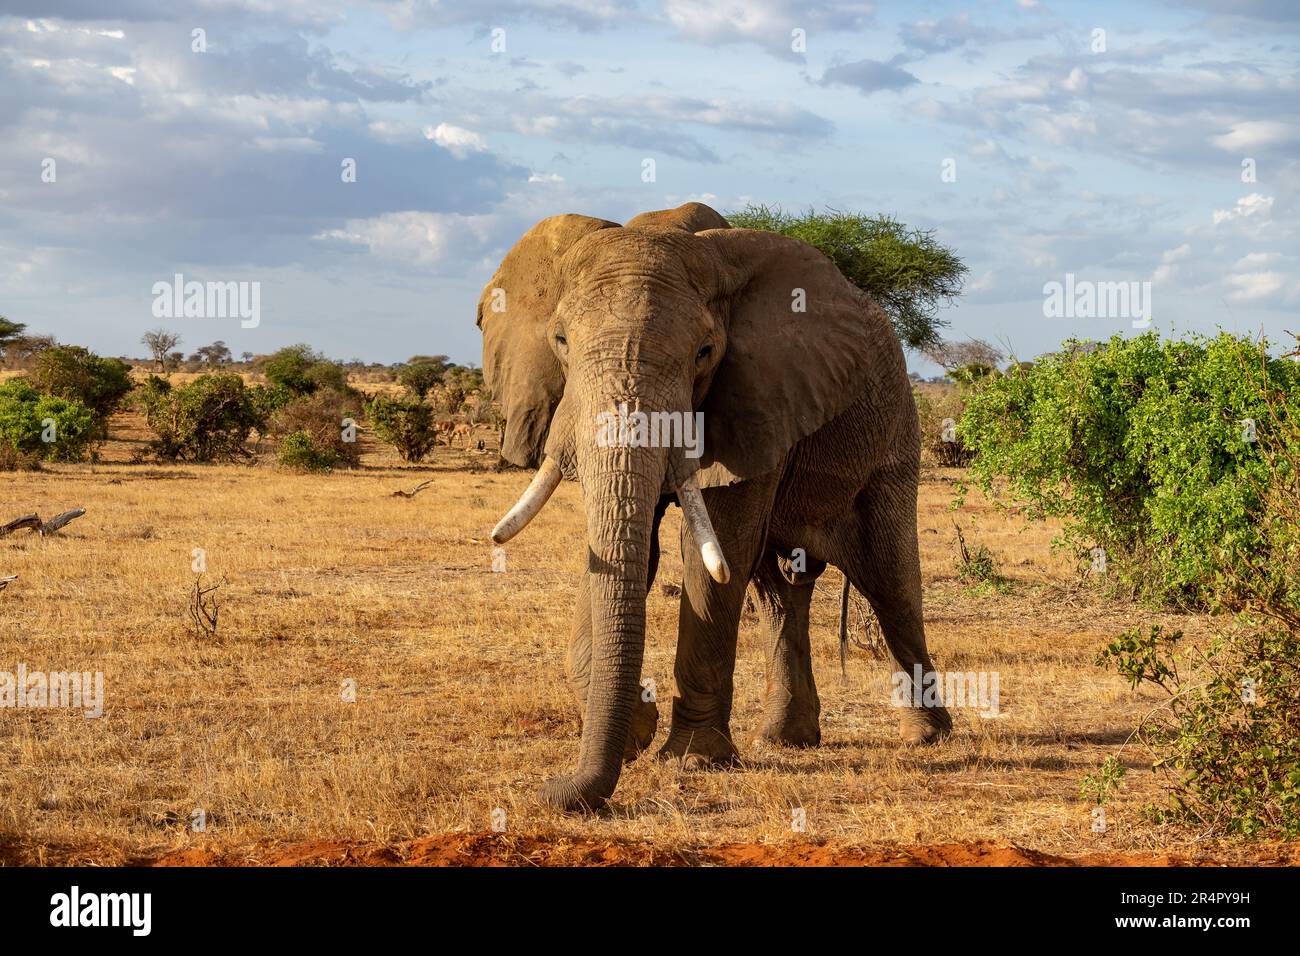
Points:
(673, 313)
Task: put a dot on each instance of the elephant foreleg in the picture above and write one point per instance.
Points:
(708, 622)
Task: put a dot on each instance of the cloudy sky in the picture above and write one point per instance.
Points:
(1162, 150)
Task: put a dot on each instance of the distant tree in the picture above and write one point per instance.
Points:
(442, 361)
(246, 357)
(302, 371)
(159, 342)
(903, 269)
(22, 349)
(215, 354)
(420, 375)
(951, 356)
(9, 331)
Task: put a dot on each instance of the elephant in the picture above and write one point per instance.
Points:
(809, 457)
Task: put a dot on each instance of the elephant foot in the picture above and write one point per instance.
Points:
(699, 748)
(570, 795)
(924, 725)
(792, 728)
(645, 720)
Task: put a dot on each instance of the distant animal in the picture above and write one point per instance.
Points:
(462, 430)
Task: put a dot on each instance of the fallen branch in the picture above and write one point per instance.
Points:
(414, 491)
(33, 522)
(4, 582)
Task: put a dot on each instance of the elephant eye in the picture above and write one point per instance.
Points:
(704, 353)
(561, 341)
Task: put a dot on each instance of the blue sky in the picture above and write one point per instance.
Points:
(1115, 164)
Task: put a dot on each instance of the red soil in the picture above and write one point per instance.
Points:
(468, 849)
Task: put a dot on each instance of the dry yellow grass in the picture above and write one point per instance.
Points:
(461, 703)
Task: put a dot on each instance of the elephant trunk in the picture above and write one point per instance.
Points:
(621, 485)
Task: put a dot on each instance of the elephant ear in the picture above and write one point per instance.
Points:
(518, 364)
(690, 216)
(785, 372)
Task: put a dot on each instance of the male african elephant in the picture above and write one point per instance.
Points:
(810, 442)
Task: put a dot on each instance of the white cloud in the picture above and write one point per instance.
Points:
(1253, 286)
(1169, 261)
(1255, 206)
(767, 23)
(417, 238)
(1255, 134)
(457, 140)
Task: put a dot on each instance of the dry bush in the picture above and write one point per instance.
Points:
(939, 408)
(321, 417)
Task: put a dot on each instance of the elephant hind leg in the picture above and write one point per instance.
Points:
(791, 709)
(878, 552)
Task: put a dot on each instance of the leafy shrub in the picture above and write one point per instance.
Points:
(24, 412)
(321, 417)
(977, 566)
(1149, 450)
(1229, 737)
(410, 427)
(77, 374)
(269, 399)
(300, 452)
(208, 419)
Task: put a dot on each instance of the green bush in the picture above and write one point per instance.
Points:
(410, 427)
(298, 451)
(77, 374)
(1140, 447)
(208, 419)
(300, 370)
(1229, 735)
(35, 426)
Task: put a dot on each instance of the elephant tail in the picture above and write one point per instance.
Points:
(844, 628)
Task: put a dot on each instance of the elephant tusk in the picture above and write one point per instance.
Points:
(697, 519)
(533, 499)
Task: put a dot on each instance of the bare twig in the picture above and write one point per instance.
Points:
(414, 491)
(203, 607)
(4, 582)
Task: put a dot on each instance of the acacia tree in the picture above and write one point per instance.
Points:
(159, 342)
(218, 353)
(965, 362)
(903, 269)
(9, 332)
